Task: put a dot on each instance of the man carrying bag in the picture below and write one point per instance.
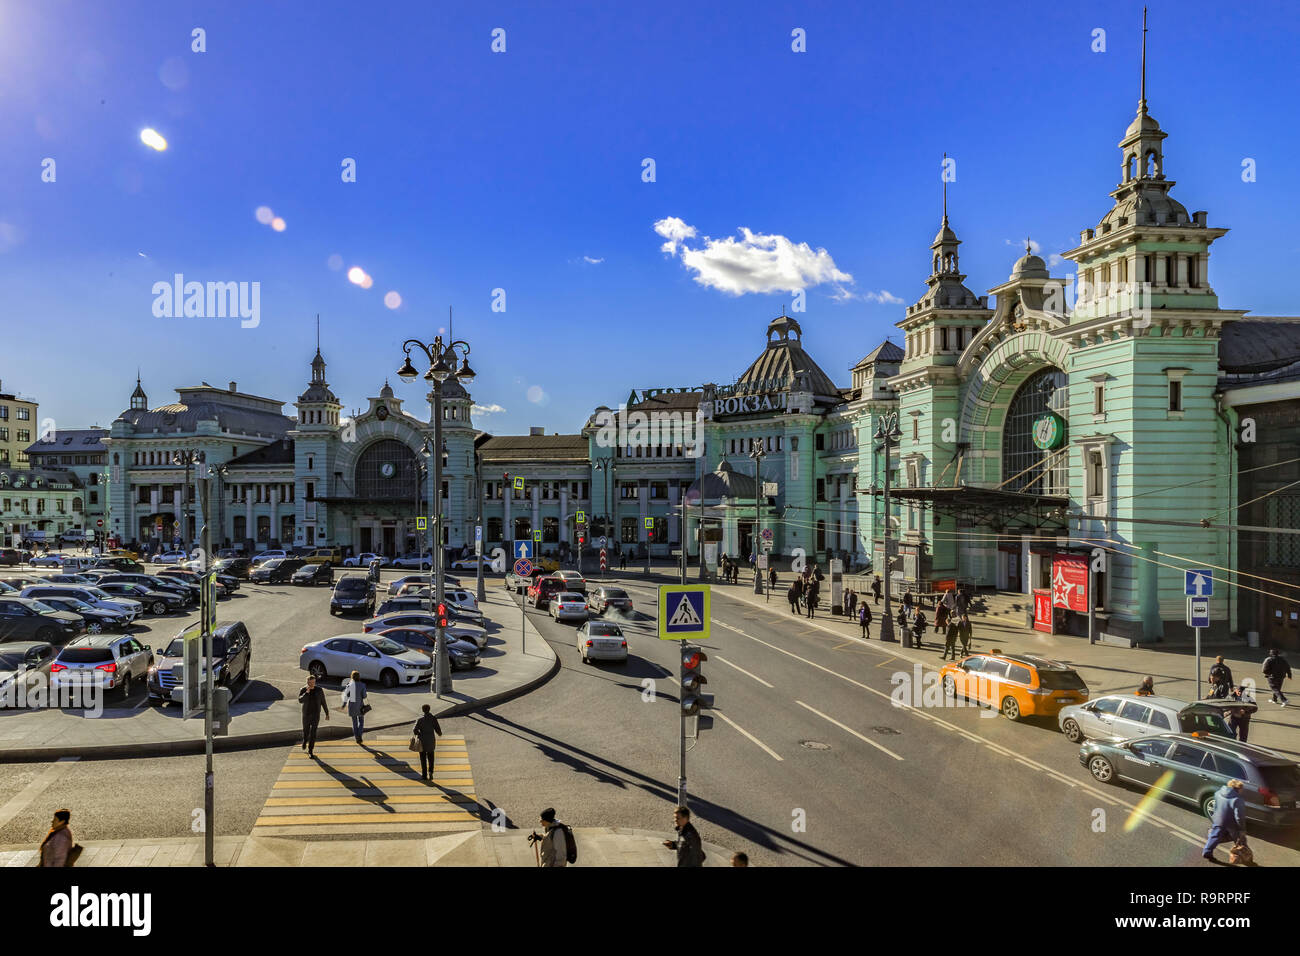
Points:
(424, 738)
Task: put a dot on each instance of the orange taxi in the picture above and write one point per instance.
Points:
(1019, 685)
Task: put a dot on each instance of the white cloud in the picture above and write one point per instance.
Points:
(1055, 260)
(674, 230)
(883, 296)
(751, 262)
(1034, 247)
(493, 409)
(594, 262)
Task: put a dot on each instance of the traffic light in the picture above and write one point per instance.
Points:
(581, 540)
(693, 680)
(441, 614)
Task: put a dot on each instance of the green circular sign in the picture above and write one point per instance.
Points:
(1049, 430)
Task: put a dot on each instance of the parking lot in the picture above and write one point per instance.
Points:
(280, 619)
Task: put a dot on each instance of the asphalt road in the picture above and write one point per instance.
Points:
(809, 761)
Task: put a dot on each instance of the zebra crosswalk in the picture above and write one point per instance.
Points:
(356, 789)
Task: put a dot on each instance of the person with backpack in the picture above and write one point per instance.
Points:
(919, 624)
(690, 851)
(558, 848)
(864, 620)
(1220, 679)
(1276, 670)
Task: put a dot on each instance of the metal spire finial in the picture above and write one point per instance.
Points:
(944, 177)
(1142, 101)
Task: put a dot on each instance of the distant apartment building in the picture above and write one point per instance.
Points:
(17, 430)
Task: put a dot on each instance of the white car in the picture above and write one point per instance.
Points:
(414, 562)
(363, 560)
(567, 606)
(269, 555)
(47, 561)
(471, 564)
(172, 557)
(601, 640)
(374, 657)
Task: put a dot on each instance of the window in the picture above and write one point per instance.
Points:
(4, 434)
(996, 668)
(916, 428)
(1187, 754)
(1229, 768)
(1193, 273)
(1107, 705)
(1099, 399)
(24, 434)
(550, 530)
(821, 535)
(1096, 474)
(1132, 710)
(627, 531)
(1019, 674)
(1025, 466)
(819, 442)
(1159, 720)
(1150, 749)
(494, 529)
(1175, 395)
(311, 463)
(821, 489)
(24, 414)
(311, 491)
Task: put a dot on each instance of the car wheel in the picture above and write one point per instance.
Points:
(94, 627)
(388, 677)
(159, 607)
(317, 670)
(1101, 769)
(1010, 708)
(1073, 732)
(949, 688)
(1207, 805)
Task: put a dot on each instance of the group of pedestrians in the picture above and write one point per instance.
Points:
(311, 699)
(805, 592)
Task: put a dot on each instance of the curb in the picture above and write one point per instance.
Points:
(170, 748)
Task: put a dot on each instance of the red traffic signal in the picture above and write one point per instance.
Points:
(442, 615)
(581, 539)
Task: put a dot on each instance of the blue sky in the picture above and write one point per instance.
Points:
(522, 171)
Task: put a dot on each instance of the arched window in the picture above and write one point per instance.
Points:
(1130, 167)
(1153, 164)
(1042, 396)
(386, 470)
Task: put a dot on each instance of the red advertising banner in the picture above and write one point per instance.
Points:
(1070, 582)
(1043, 610)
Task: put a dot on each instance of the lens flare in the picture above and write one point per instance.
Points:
(278, 224)
(153, 139)
(335, 262)
(264, 215)
(1153, 798)
(356, 275)
(392, 300)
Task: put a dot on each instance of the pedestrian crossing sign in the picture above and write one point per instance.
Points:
(519, 484)
(684, 612)
(421, 524)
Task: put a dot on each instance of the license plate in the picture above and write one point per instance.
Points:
(1064, 700)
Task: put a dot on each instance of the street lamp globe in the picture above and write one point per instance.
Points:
(466, 374)
(407, 372)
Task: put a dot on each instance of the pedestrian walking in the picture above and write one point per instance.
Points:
(57, 849)
(771, 578)
(950, 641)
(908, 602)
(1229, 820)
(1220, 679)
(875, 588)
(1239, 718)
(622, 561)
(690, 852)
(864, 620)
(812, 597)
(1276, 670)
(427, 731)
(919, 624)
(962, 602)
(555, 841)
(735, 572)
(312, 700)
(793, 596)
(1147, 688)
(964, 632)
(940, 618)
(354, 700)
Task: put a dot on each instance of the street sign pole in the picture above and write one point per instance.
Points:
(1198, 585)
(207, 597)
(681, 719)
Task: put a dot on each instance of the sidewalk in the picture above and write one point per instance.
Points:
(505, 672)
(597, 846)
(1107, 669)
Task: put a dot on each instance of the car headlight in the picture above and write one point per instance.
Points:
(412, 667)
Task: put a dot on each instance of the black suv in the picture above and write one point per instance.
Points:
(353, 593)
(232, 649)
(153, 583)
(275, 571)
(317, 572)
(23, 619)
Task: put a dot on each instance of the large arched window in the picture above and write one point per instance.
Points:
(387, 469)
(1043, 397)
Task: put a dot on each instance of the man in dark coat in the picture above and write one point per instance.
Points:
(312, 699)
(690, 852)
(428, 731)
(875, 589)
(794, 594)
(1276, 670)
(1220, 678)
(812, 597)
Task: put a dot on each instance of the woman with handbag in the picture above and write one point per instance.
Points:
(354, 699)
(424, 738)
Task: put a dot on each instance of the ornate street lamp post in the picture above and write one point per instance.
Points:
(889, 434)
(188, 459)
(757, 453)
(442, 366)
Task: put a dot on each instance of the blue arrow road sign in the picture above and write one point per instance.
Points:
(1198, 582)
(523, 549)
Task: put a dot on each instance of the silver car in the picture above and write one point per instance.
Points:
(568, 606)
(1124, 716)
(23, 665)
(601, 640)
(457, 629)
(373, 657)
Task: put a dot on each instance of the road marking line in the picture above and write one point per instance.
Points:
(1183, 834)
(889, 661)
(772, 753)
(850, 730)
(341, 818)
(24, 798)
(743, 671)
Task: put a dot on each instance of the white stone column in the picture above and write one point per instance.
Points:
(642, 497)
(564, 513)
(250, 529)
(842, 538)
(507, 526)
(674, 513)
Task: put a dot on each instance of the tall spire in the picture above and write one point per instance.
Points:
(944, 176)
(1142, 101)
(317, 333)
